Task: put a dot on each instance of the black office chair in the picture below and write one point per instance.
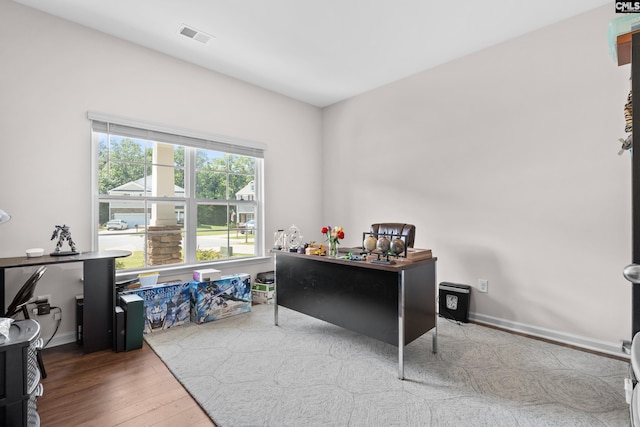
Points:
(19, 304)
(407, 232)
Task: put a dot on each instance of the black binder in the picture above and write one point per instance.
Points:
(120, 329)
(79, 319)
(133, 306)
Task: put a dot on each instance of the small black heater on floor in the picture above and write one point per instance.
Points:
(454, 301)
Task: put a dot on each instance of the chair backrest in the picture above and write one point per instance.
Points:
(407, 231)
(25, 294)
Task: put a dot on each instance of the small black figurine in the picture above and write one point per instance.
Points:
(62, 233)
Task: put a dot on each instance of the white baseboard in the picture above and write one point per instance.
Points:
(61, 339)
(614, 349)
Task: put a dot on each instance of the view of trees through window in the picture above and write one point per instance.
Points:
(172, 204)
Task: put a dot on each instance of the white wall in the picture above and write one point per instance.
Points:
(53, 72)
(505, 160)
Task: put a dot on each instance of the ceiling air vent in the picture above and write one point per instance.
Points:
(194, 34)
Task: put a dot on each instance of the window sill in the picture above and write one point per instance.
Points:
(188, 269)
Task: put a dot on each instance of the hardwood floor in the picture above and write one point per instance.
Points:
(113, 389)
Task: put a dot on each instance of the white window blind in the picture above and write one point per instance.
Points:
(154, 132)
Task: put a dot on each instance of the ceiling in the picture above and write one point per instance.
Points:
(317, 51)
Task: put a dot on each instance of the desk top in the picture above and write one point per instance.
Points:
(23, 261)
(399, 265)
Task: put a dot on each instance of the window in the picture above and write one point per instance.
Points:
(171, 197)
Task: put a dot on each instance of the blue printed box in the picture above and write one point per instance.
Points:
(165, 305)
(222, 298)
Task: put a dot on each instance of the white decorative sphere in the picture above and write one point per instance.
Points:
(369, 243)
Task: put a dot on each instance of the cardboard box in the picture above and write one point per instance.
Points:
(414, 254)
(207, 275)
(262, 293)
(222, 298)
(165, 305)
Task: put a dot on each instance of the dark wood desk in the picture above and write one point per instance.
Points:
(392, 303)
(99, 277)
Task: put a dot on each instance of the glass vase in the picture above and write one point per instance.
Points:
(333, 248)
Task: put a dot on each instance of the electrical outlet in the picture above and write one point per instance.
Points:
(483, 285)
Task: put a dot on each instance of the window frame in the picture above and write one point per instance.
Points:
(99, 123)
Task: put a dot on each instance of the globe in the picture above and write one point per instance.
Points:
(369, 243)
(383, 244)
(397, 246)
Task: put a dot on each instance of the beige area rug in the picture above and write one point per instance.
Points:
(245, 371)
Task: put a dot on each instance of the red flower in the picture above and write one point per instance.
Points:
(334, 234)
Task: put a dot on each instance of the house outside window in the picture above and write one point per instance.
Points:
(172, 198)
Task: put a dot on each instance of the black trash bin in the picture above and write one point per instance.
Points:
(454, 301)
